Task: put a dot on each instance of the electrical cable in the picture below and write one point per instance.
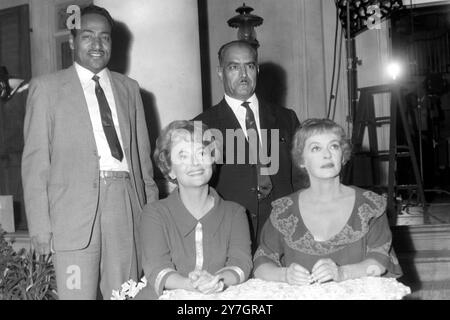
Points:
(338, 74)
(334, 64)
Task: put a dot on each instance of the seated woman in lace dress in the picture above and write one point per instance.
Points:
(328, 231)
(193, 239)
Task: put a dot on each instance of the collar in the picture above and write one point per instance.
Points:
(235, 104)
(86, 75)
(184, 220)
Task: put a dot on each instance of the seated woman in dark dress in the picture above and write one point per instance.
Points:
(193, 239)
(328, 231)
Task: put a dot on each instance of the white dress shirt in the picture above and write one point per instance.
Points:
(107, 161)
(240, 111)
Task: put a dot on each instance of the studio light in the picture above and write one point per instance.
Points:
(365, 13)
(394, 70)
(357, 16)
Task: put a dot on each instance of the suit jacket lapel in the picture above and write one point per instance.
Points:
(74, 96)
(267, 121)
(123, 111)
(226, 119)
(226, 116)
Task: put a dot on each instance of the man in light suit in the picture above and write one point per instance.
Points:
(241, 182)
(86, 166)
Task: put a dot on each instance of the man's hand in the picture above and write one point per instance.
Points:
(297, 275)
(41, 243)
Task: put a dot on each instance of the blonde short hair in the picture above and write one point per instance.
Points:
(174, 132)
(312, 127)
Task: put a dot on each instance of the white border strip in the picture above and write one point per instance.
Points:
(160, 276)
(198, 247)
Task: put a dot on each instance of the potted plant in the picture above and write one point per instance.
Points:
(24, 275)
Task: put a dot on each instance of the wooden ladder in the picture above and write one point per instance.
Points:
(365, 117)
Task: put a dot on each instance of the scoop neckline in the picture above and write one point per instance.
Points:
(336, 234)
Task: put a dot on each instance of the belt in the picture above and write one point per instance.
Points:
(114, 174)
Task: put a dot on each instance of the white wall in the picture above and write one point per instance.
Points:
(164, 52)
(297, 35)
(434, 2)
(329, 21)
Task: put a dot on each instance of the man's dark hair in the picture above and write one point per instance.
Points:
(243, 43)
(93, 9)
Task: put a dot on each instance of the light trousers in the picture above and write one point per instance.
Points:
(110, 258)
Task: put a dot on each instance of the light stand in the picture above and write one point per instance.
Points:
(419, 110)
(357, 16)
(351, 70)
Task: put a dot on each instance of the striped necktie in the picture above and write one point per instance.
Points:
(264, 181)
(107, 121)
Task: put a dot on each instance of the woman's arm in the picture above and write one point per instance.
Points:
(197, 281)
(295, 274)
(366, 268)
(238, 263)
(156, 253)
(177, 281)
(270, 272)
(326, 269)
(228, 277)
(201, 281)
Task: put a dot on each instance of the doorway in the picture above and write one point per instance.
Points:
(421, 40)
(15, 56)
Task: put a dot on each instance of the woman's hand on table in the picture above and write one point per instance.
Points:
(297, 275)
(205, 282)
(326, 270)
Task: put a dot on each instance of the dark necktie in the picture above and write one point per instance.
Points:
(107, 121)
(264, 181)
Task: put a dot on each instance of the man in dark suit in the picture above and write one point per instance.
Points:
(86, 166)
(241, 111)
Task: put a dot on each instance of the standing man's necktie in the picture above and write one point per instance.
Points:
(264, 181)
(107, 121)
